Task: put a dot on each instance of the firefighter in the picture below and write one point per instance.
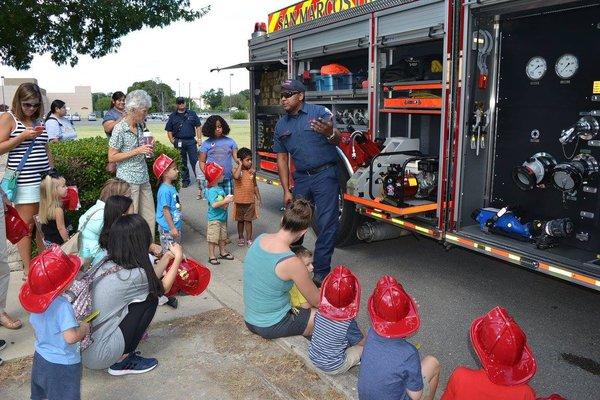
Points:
(307, 133)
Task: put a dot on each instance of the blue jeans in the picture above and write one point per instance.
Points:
(188, 150)
(54, 381)
(322, 190)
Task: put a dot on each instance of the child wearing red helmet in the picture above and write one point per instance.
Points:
(391, 367)
(218, 201)
(337, 342)
(56, 370)
(168, 207)
(507, 361)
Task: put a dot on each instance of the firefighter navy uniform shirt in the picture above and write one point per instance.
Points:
(308, 149)
(183, 125)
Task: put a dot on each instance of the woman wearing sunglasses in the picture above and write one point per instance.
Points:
(17, 135)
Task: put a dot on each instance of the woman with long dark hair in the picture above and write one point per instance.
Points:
(126, 290)
(58, 127)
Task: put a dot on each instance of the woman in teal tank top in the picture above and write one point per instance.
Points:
(270, 271)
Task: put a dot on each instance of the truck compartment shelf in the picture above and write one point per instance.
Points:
(414, 206)
(410, 111)
(337, 94)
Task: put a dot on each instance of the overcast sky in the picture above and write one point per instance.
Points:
(181, 50)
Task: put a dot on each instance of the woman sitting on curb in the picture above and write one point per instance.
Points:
(125, 291)
(270, 270)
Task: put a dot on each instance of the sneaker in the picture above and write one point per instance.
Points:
(173, 302)
(162, 300)
(249, 243)
(133, 364)
(2, 344)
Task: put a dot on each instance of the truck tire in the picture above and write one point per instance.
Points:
(350, 220)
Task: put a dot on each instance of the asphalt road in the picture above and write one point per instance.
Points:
(561, 320)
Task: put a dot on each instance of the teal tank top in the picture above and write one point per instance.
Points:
(266, 296)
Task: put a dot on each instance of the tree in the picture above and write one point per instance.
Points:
(214, 98)
(102, 104)
(71, 27)
(163, 97)
(96, 96)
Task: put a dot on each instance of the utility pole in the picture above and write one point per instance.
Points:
(230, 76)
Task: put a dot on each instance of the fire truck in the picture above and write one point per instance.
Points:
(473, 122)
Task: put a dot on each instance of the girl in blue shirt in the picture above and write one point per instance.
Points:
(219, 149)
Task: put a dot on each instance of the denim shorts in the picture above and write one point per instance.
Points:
(54, 381)
(27, 194)
(166, 239)
(292, 324)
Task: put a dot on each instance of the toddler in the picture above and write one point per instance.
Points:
(54, 223)
(297, 300)
(246, 195)
(168, 207)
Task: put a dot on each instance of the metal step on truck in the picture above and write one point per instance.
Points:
(475, 123)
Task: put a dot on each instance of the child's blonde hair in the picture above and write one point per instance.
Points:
(49, 200)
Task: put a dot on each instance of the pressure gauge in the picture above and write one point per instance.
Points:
(566, 66)
(536, 68)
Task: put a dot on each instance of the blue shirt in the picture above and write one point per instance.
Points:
(220, 150)
(308, 148)
(388, 367)
(266, 296)
(112, 115)
(49, 327)
(183, 125)
(214, 194)
(329, 342)
(167, 196)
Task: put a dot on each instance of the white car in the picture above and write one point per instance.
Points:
(92, 117)
(204, 115)
(75, 117)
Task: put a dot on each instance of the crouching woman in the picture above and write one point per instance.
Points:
(125, 291)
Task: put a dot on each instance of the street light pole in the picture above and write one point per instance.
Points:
(178, 87)
(230, 76)
(3, 101)
(190, 94)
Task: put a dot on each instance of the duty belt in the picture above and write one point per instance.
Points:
(317, 169)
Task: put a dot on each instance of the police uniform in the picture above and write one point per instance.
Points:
(315, 175)
(183, 125)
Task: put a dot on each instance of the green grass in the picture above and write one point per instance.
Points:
(239, 132)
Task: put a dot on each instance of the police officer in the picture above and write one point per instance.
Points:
(183, 127)
(307, 133)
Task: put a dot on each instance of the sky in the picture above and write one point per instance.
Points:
(184, 50)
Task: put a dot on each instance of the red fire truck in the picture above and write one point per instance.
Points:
(473, 122)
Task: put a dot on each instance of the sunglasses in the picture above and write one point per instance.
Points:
(287, 95)
(52, 173)
(30, 105)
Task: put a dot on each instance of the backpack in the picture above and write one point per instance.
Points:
(79, 294)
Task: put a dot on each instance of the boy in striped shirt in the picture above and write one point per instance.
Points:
(337, 342)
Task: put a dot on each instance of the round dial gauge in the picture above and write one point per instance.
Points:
(536, 68)
(566, 66)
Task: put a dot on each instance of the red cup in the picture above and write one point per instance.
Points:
(16, 228)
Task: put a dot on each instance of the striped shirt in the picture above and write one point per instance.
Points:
(328, 343)
(36, 163)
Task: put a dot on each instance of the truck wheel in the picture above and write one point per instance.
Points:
(350, 220)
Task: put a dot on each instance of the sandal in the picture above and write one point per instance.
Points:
(9, 323)
(226, 256)
(213, 261)
(241, 242)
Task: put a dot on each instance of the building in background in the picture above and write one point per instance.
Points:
(79, 102)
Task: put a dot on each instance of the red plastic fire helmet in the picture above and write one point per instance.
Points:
(192, 277)
(393, 312)
(16, 228)
(71, 200)
(212, 171)
(161, 164)
(340, 295)
(49, 274)
(502, 348)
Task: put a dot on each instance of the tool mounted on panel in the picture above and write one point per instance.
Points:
(479, 127)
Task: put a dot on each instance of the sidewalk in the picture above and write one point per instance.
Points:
(203, 347)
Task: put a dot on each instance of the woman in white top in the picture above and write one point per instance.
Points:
(17, 135)
(58, 127)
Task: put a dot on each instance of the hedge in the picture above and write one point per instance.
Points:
(240, 114)
(83, 163)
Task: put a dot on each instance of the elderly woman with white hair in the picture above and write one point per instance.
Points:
(126, 148)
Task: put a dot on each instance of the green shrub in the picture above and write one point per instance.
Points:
(240, 114)
(83, 163)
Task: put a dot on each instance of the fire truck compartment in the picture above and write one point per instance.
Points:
(531, 129)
